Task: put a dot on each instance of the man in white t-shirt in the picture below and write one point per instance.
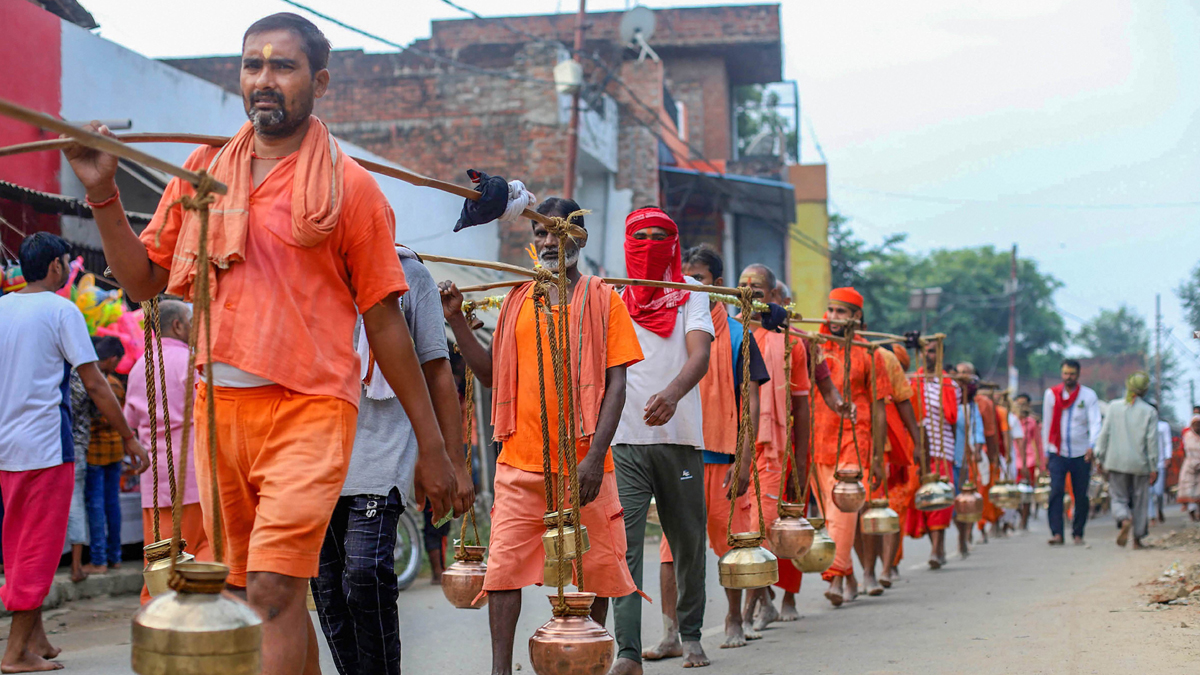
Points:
(44, 337)
(657, 446)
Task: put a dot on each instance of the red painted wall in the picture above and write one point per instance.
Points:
(31, 75)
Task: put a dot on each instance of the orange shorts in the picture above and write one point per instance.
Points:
(192, 528)
(716, 502)
(281, 463)
(515, 553)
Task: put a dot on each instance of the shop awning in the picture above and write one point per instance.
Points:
(746, 195)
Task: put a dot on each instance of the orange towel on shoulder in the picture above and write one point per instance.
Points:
(716, 389)
(317, 198)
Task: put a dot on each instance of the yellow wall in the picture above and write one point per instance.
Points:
(809, 270)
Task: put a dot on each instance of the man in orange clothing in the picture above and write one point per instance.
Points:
(855, 451)
(603, 345)
(771, 446)
(720, 398)
(300, 246)
(987, 465)
(896, 433)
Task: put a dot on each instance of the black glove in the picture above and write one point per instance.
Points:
(491, 204)
(912, 339)
(774, 318)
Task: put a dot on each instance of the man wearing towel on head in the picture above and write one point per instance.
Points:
(300, 246)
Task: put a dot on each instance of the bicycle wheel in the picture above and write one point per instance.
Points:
(407, 554)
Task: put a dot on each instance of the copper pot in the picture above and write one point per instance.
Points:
(572, 644)
(968, 505)
(550, 520)
(158, 565)
(849, 493)
(934, 494)
(880, 518)
(820, 554)
(462, 581)
(791, 533)
(198, 630)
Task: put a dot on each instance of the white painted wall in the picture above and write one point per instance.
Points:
(102, 80)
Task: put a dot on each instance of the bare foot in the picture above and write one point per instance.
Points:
(851, 588)
(29, 663)
(934, 563)
(670, 647)
(834, 594)
(78, 575)
(788, 613)
(1123, 536)
(872, 587)
(885, 579)
(749, 632)
(115, 566)
(42, 647)
(694, 656)
(766, 615)
(95, 569)
(623, 666)
(734, 636)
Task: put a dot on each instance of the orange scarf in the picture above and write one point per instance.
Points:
(772, 402)
(588, 313)
(716, 389)
(316, 204)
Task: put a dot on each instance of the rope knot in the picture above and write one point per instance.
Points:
(567, 227)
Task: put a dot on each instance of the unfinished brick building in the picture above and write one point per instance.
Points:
(652, 132)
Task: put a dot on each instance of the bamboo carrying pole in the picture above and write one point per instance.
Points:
(97, 142)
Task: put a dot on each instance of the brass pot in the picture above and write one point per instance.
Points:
(748, 564)
(934, 494)
(1041, 493)
(555, 576)
(880, 518)
(849, 493)
(820, 554)
(158, 565)
(573, 644)
(968, 505)
(198, 630)
(1005, 495)
(550, 520)
(463, 580)
(791, 533)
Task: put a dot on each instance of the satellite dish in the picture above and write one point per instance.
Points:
(637, 20)
(637, 26)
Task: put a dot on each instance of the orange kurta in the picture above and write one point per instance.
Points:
(826, 456)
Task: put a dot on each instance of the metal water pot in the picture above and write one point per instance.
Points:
(462, 581)
(849, 493)
(934, 494)
(197, 629)
(550, 520)
(820, 554)
(572, 644)
(880, 518)
(791, 533)
(968, 505)
(158, 565)
(748, 564)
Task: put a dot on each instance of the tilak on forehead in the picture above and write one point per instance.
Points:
(267, 50)
(754, 278)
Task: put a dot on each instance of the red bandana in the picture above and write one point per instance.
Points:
(653, 308)
(1060, 406)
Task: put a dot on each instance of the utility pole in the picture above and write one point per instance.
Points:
(1158, 349)
(573, 134)
(1012, 324)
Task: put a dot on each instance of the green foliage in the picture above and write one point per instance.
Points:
(973, 309)
(1189, 296)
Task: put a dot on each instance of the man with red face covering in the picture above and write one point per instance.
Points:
(657, 446)
(856, 448)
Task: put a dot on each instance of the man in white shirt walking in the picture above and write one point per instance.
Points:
(1072, 414)
(1158, 488)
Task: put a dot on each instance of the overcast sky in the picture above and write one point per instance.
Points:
(1068, 127)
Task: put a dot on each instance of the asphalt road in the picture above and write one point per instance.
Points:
(1015, 605)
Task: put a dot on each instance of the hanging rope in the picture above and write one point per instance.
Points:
(812, 377)
(468, 428)
(744, 426)
(847, 396)
(199, 203)
(874, 421)
(150, 327)
(791, 473)
(939, 365)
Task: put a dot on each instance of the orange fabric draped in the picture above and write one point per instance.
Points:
(716, 389)
(772, 403)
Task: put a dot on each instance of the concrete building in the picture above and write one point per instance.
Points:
(654, 132)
